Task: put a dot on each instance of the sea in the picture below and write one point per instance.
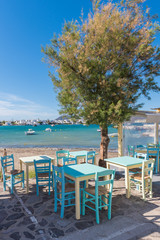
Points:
(72, 136)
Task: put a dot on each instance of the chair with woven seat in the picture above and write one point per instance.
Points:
(141, 156)
(131, 150)
(90, 157)
(64, 192)
(144, 179)
(43, 174)
(13, 176)
(99, 195)
(153, 153)
(60, 155)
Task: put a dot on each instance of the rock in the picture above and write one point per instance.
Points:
(28, 235)
(30, 209)
(72, 229)
(16, 209)
(15, 236)
(3, 215)
(43, 222)
(8, 224)
(63, 222)
(15, 216)
(32, 227)
(83, 225)
(46, 213)
(55, 232)
(25, 221)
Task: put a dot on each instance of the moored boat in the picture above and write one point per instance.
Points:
(30, 132)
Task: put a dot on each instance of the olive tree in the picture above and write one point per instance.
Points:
(103, 64)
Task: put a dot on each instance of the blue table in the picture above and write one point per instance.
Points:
(79, 155)
(78, 173)
(126, 163)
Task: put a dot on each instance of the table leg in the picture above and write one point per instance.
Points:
(21, 169)
(127, 182)
(27, 179)
(77, 199)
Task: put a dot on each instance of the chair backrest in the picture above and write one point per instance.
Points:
(152, 152)
(141, 155)
(99, 182)
(90, 157)
(131, 150)
(42, 166)
(147, 168)
(58, 177)
(152, 145)
(141, 146)
(7, 161)
(61, 154)
(69, 161)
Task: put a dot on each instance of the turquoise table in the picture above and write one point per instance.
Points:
(78, 173)
(126, 163)
(79, 155)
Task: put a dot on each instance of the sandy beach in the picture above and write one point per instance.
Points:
(26, 152)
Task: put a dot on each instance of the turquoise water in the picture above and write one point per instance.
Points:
(70, 136)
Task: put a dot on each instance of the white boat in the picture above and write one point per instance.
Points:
(98, 130)
(48, 130)
(30, 132)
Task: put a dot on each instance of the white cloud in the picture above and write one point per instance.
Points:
(13, 107)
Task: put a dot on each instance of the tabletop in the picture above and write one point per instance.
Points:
(81, 170)
(78, 153)
(32, 158)
(125, 161)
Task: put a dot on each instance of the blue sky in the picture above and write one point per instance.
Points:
(26, 91)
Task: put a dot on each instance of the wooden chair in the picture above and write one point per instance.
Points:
(153, 153)
(13, 176)
(99, 195)
(90, 157)
(43, 174)
(152, 145)
(144, 179)
(138, 155)
(64, 192)
(131, 150)
(141, 146)
(69, 161)
(60, 155)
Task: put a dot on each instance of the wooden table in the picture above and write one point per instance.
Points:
(29, 161)
(80, 155)
(78, 173)
(126, 163)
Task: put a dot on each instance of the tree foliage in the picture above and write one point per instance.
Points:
(104, 63)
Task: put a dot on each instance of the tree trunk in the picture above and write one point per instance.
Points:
(104, 147)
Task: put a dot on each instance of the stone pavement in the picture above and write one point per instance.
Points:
(26, 216)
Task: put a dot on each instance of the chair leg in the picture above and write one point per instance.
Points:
(49, 186)
(97, 210)
(83, 203)
(23, 180)
(37, 189)
(109, 207)
(55, 200)
(143, 190)
(4, 184)
(62, 207)
(12, 184)
(150, 189)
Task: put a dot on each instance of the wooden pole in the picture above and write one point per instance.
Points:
(120, 140)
